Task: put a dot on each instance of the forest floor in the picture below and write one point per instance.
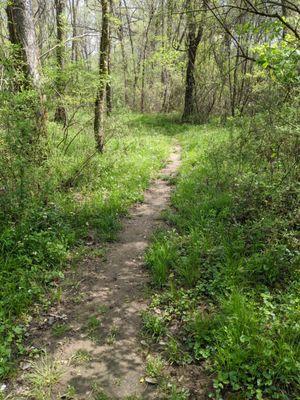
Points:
(197, 297)
(97, 351)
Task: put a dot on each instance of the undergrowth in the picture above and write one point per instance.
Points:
(228, 263)
(71, 197)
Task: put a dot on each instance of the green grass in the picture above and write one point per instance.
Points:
(229, 262)
(60, 330)
(60, 209)
(226, 269)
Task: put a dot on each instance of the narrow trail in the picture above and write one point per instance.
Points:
(115, 291)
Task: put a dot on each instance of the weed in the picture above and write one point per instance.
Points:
(178, 393)
(160, 257)
(60, 330)
(175, 354)
(112, 336)
(70, 393)
(103, 309)
(153, 325)
(44, 375)
(92, 327)
(155, 366)
(98, 393)
(80, 357)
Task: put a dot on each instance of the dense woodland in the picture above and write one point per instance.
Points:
(93, 95)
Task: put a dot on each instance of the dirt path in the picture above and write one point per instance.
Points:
(104, 340)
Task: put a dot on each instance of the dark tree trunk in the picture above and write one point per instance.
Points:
(189, 98)
(60, 113)
(194, 38)
(103, 75)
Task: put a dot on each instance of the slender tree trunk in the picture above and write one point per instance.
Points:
(135, 70)
(142, 106)
(103, 75)
(60, 114)
(284, 14)
(125, 70)
(120, 33)
(75, 51)
(108, 84)
(22, 33)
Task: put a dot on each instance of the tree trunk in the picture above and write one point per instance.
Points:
(75, 50)
(60, 114)
(189, 99)
(22, 34)
(142, 106)
(108, 84)
(120, 33)
(103, 75)
(135, 70)
(194, 38)
(284, 15)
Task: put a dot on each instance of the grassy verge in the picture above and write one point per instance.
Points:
(228, 265)
(66, 201)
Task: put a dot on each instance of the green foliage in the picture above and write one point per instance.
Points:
(153, 325)
(282, 58)
(38, 232)
(154, 367)
(160, 258)
(60, 330)
(231, 288)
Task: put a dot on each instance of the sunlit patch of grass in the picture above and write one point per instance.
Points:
(153, 325)
(81, 357)
(155, 366)
(161, 257)
(44, 375)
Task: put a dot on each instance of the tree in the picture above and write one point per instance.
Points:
(103, 76)
(195, 31)
(22, 36)
(60, 113)
(73, 7)
(120, 34)
(144, 54)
